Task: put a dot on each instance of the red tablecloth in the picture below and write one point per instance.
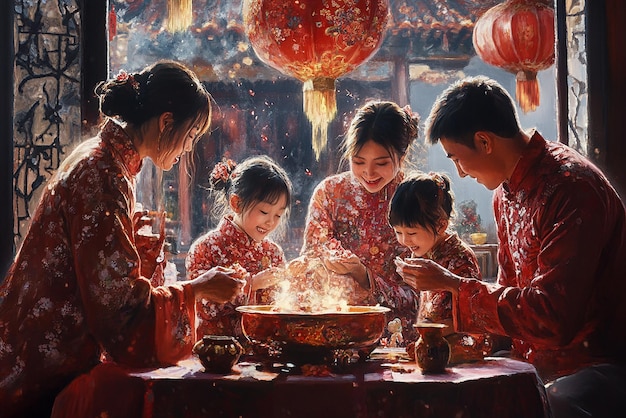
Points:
(497, 387)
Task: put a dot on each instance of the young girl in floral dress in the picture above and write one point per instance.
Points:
(347, 217)
(419, 213)
(254, 199)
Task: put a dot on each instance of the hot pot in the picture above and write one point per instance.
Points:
(313, 335)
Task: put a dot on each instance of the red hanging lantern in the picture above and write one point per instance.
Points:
(316, 41)
(518, 36)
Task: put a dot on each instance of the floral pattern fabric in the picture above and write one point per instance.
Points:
(436, 306)
(456, 256)
(229, 246)
(75, 292)
(342, 212)
(560, 288)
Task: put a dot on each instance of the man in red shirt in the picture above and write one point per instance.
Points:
(561, 289)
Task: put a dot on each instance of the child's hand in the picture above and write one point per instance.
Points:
(407, 270)
(266, 278)
(425, 274)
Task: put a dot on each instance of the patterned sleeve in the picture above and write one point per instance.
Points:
(319, 224)
(136, 323)
(551, 296)
(465, 265)
(277, 256)
(200, 258)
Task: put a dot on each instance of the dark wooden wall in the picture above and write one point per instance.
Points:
(7, 56)
(607, 88)
(94, 50)
(615, 155)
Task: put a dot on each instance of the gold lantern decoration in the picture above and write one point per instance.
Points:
(179, 15)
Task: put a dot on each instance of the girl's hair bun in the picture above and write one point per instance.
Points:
(220, 176)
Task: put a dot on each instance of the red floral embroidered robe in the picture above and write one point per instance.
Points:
(226, 246)
(75, 291)
(341, 212)
(561, 289)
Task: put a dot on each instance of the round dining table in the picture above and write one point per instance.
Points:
(382, 386)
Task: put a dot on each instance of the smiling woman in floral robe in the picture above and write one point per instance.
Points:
(347, 214)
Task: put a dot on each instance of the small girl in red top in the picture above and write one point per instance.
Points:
(254, 201)
(419, 213)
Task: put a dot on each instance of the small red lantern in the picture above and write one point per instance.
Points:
(518, 36)
(316, 41)
(112, 24)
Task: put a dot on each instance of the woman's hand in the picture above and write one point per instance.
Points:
(298, 266)
(424, 274)
(349, 265)
(149, 246)
(217, 285)
(147, 218)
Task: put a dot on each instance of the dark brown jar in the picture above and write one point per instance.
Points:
(432, 351)
(218, 353)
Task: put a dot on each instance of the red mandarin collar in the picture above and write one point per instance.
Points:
(384, 194)
(535, 148)
(231, 229)
(122, 145)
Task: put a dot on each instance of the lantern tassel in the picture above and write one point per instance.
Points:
(179, 15)
(527, 90)
(320, 106)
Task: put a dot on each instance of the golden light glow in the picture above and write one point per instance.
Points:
(307, 286)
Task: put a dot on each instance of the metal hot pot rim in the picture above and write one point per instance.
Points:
(352, 328)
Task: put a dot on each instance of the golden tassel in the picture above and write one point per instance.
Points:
(320, 106)
(179, 15)
(527, 90)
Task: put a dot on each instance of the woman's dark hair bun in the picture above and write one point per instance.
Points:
(121, 96)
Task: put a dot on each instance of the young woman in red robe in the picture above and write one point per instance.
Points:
(560, 293)
(347, 224)
(79, 288)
